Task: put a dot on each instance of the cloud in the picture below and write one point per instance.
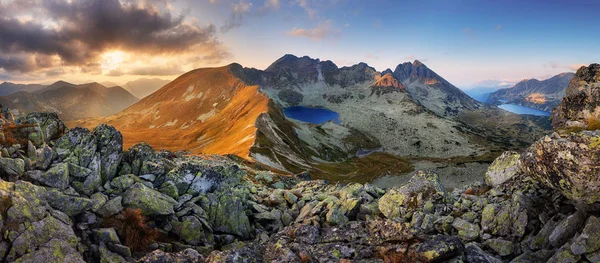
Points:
(77, 32)
(239, 8)
(306, 6)
(322, 31)
(575, 67)
(371, 56)
(162, 70)
(409, 57)
(557, 65)
(499, 27)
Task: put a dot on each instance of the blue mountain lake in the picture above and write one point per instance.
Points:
(312, 115)
(523, 110)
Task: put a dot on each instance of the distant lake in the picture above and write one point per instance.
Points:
(523, 110)
(312, 115)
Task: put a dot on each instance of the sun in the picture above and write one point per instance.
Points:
(111, 60)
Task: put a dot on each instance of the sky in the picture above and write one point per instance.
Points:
(468, 42)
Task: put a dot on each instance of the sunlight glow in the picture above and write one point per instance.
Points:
(111, 60)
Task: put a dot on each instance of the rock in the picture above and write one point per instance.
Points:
(106, 235)
(56, 177)
(110, 147)
(44, 157)
(502, 247)
(466, 230)
(53, 251)
(150, 201)
(77, 146)
(47, 127)
(119, 249)
(191, 230)
(530, 256)
(440, 248)
(186, 256)
(475, 254)
(542, 239)
(507, 219)
(111, 207)
(568, 165)
(398, 202)
(106, 256)
(589, 239)
(564, 255)
(40, 233)
(566, 229)
(227, 214)
(335, 216)
(11, 167)
(581, 100)
(503, 168)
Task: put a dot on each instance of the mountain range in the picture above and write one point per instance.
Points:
(542, 95)
(144, 86)
(70, 101)
(411, 112)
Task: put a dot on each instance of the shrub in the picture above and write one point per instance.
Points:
(592, 123)
(131, 225)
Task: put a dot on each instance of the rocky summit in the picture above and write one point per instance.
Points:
(77, 196)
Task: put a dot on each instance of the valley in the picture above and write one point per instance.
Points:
(304, 114)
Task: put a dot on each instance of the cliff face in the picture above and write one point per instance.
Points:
(582, 100)
(542, 95)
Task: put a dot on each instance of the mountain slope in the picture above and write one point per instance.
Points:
(144, 87)
(71, 101)
(538, 94)
(7, 88)
(236, 110)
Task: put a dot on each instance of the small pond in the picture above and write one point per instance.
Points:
(312, 115)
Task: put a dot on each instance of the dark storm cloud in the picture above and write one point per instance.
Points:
(87, 28)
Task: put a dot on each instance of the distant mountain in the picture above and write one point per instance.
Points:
(7, 88)
(410, 111)
(144, 87)
(71, 101)
(538, 94)
(108, 84)
(481, 94)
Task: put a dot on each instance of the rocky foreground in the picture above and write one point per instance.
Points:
(77, 196)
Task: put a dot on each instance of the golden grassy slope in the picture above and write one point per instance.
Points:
(204, 111)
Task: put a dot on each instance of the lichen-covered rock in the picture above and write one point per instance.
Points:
(192, 231)
(111, 207)
(466, 230)
(423, 186)
(110, 147)
(69, 204)
(186, 256)
(106, 235)
(567, 164)
(56, 177)
(506, 219)
(11, 167)
(227, 214)
(564, 255)
(46, 127)
(502, 247)
(475, 254)
(589, 239)
(503, 168)
(566, 229)
(150, 201)
(582, 100)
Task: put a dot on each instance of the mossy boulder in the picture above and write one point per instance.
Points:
(403, 200)
(227, 214)
(567, 164)
(503, 168)
(110, 147)
(150, 201)
(10, 167)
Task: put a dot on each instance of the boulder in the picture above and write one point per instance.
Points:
(568, 164)
(503, 168)
(476, 255)
(227, 214)
(150, 201)
(46, 127)
(589, 239)
(11, 167)
(110, 147)
(466, 230)
(186, 256)
(403, 200)
(582, 100)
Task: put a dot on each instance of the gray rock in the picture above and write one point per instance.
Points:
(566, 229)
(502, 247)
(11, 167)
(466, 230)
(186, 256)
(533, 257)
(110, 148)
(503, 168)
(475, 254)
(564, 255)
(150, 201)
(111, 207)
(56, 177)
(400, 201)
(106, 235)
(589, 239)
